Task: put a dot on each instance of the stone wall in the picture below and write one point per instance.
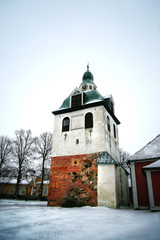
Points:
(73, 181)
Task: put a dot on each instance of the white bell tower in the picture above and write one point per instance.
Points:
(85, 152)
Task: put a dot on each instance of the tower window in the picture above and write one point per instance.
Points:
(76, 100)
(89, 120)
(65, 124)
(108, 124)
(112, 107)
(114, 130)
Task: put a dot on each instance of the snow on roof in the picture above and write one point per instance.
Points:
(151, 150)
(8, 180)
(92, 101)
(44, 182)
(108, 96)
(153, 165)
(14, 180)
(25, 182)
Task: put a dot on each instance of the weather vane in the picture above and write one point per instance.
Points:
(88, 66)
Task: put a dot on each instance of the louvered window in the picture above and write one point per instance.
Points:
(76, 100)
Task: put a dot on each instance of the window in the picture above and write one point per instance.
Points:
(2, 188)
(77, 141)
(45, 190)
(12, 189)
(108, 124)
(65, 124)
(23, 190)
(90, 87)
(76, 100)
(114, 130)
(89, 120)
(38, 189)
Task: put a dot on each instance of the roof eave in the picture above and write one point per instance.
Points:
(144, 159)
(99, 103)
(151, 168)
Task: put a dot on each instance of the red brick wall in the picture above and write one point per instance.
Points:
(156, 187)
(73, 179)
(142, 191)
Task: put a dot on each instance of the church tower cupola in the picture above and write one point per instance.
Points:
(87, 81)
(88, 76)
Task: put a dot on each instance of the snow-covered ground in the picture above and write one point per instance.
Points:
(34, 220)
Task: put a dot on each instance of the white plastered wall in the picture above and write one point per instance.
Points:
(107, 189)
(91, 140)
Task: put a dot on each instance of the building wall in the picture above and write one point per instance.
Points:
(155, 175)
(69, 182)
(140, 192)
(91, 140)
(11, 188)
(6, 188)
(123, 189)
(73, 180)
(107, 189)
(24, 189)
(111, 143)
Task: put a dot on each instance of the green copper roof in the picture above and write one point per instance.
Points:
(87, 76)
(65, 103)
(105, 158)
(89, 97)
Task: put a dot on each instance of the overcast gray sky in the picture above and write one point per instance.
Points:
(44, 50)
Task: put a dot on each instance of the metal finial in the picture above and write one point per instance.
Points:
(88, 67)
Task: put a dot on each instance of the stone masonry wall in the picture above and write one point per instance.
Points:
(73, 181)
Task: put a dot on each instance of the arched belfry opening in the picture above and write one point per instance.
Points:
(65, 124)
(89, 120)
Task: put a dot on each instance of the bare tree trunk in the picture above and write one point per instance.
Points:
(22, 153)
(5, 153)
(43, 147)
(42, 179)
(18, 181)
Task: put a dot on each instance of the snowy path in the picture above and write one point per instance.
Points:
(35, 221)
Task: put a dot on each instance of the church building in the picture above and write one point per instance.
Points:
(85, 168)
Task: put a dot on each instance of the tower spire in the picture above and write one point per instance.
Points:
(88, 66)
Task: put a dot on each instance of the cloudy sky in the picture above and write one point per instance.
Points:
(45, 46)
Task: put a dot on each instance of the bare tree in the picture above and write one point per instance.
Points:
(5, 154)
(124, 156)
(22, 153)
(43, 149)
